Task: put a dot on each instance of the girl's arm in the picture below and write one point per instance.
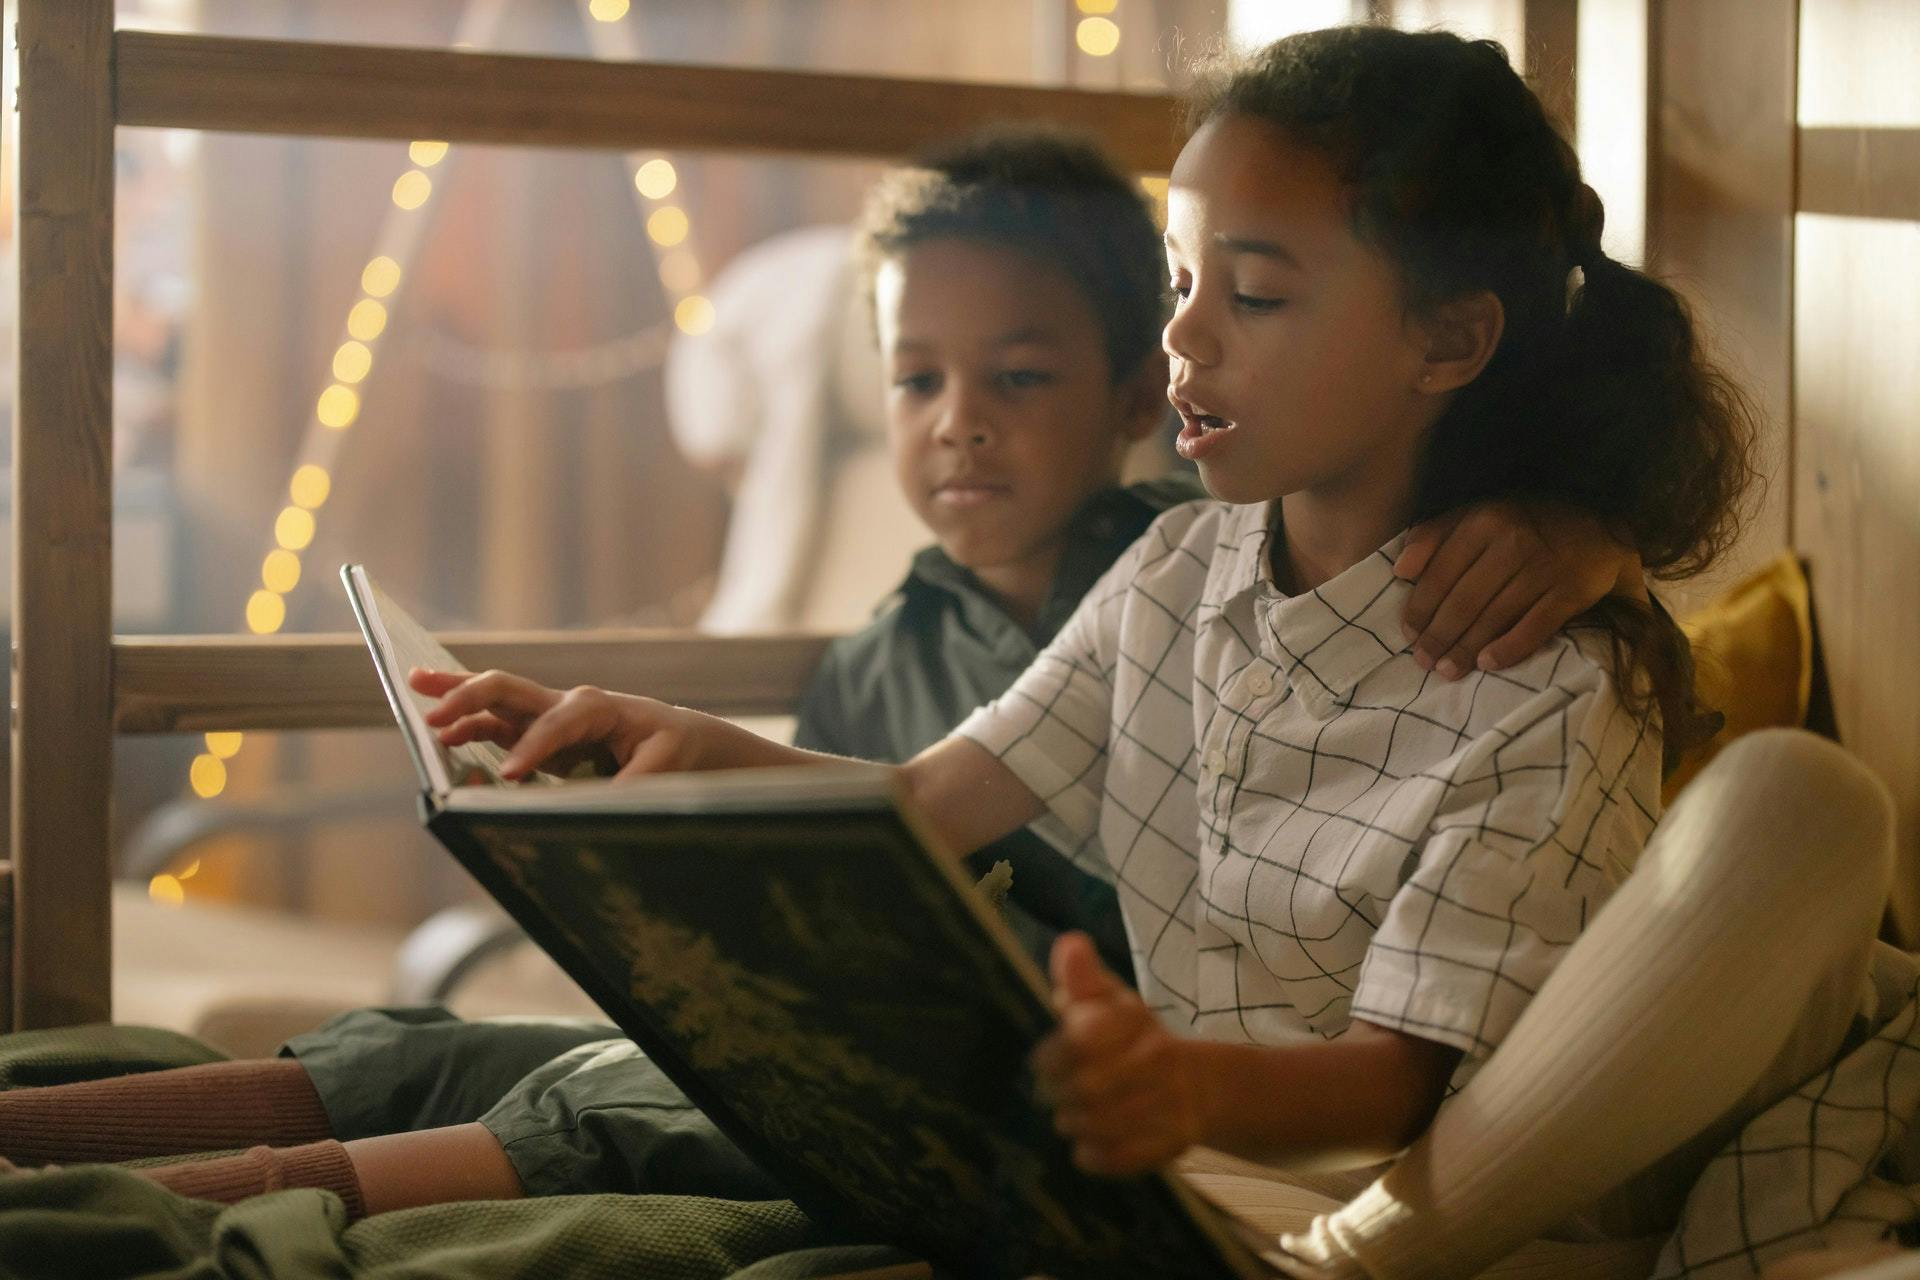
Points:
(1131, 1095)
(967, 796)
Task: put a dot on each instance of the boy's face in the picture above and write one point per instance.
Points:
(1294, 364)
(1002, 414)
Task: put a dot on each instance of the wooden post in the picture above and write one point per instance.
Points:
(1720, 216)
(63, 509)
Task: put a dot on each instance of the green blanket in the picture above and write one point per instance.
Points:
(106, 1223)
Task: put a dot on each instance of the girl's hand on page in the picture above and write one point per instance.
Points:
(539, 725)
(1123, 1087)
(1493, 583)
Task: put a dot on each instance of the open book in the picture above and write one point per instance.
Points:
(790, 949)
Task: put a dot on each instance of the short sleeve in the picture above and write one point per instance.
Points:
(1051, 727)
(1542, 819)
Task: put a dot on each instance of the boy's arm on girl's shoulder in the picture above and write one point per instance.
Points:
(1494, 582)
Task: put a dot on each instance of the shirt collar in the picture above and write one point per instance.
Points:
(1102, 529)
(1329, 639)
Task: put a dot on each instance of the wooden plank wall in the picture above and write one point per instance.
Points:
(63, 511)
(1720, 192)
(1856, 511)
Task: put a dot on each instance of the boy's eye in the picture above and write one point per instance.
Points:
(1259, 306)
(1025, 379)
(919, 384)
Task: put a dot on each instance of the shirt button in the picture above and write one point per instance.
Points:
(1213, 761)
(1260, 684)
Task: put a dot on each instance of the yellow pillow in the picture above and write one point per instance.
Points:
(1753, 658)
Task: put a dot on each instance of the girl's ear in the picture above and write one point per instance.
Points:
(1142, 397)
(1461, 336)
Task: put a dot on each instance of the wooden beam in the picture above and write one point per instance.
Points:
(1720, 221)
(358, 91)
(199, 684)
(63, 513)
(6, 947)
(1860, 173)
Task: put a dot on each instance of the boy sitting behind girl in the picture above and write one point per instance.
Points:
(1018, 298)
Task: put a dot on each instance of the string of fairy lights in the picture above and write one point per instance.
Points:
(337, 407)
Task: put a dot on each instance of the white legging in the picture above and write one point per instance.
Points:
(1724, 972)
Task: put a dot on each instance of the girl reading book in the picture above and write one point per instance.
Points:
(1382, 922)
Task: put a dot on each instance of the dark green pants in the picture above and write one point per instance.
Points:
(577, 1107)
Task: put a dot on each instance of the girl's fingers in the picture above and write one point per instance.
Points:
(1524, 639)
(435, 683)
(498, 691)
(656, 753)
(484, 727)
(1077, 970)
(567, 724)
(1103, 1029)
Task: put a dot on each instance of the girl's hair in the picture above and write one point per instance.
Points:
(1047, 193)
(1598, 395)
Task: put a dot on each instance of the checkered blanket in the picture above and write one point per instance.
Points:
(1835, 1163)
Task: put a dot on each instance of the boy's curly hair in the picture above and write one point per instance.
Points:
(1048, 193)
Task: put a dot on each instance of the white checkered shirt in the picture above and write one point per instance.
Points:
(1306, 827)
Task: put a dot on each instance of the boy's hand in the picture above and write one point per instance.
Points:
(538, 724)
(1122, 1085)
(1494, 582)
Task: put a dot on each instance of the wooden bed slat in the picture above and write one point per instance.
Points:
(361, 91)
(200, 684)
(63, 512)
(1860, 173)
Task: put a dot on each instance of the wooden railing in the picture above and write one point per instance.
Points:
(75, 686)
(197, 684)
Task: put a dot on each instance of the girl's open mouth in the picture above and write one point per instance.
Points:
(1200, 433)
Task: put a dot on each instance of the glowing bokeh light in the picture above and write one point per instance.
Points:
(310, 486)
(266, 612)
(208, 775)
(293, 529)
(656, 179)
(693, 314)
(381, 277)
(338, 407)
(667, 225)
(1097, 37)
(280, 571)
(352, 361)
(679, 271)
(411, 189)
(367, 320)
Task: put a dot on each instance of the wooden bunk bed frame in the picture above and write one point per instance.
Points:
(1722, 78)
(75, 685)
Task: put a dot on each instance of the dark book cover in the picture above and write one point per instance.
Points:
(838, 998)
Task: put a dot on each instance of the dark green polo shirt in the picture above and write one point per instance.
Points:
(941, 646)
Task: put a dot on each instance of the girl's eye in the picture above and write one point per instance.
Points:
(919, 384)
(1179, 289)
(1258, 306)
(1025, 379)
